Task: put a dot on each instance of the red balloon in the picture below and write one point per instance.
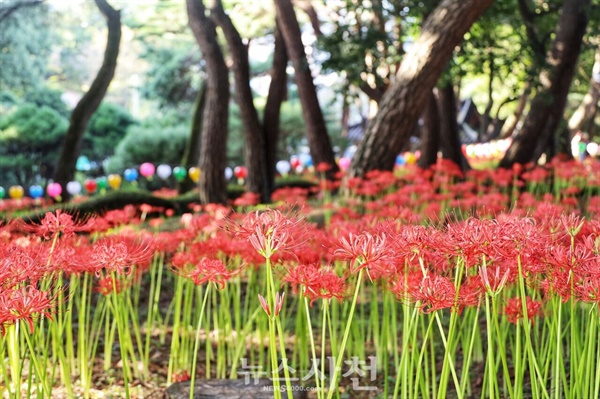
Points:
(90, 186)
(240, 172)
(295, 162)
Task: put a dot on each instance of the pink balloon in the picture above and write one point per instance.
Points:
(344, 163)
(54, 190)
(147, 169)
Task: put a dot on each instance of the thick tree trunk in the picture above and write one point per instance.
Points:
(548, 106)
(449, 137)
(254, 149)
(275, 97)
(213, 149)
(89, 103)
(430, 134)
(587, 109)
(316, 131)
(191, 155)
(419, 72)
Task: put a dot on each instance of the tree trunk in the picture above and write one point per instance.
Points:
(430, 134)
(419, 72)
(191, 156)
(548, 105)
(587, 109)
(275, 97)
(89, 103)
(449, 137)
(513, 120)
(254, 149)
(213, 149)
(316, 131)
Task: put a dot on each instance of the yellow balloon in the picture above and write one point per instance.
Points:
(410, 158)
(194, 174)
(16, 192)
(114, 181)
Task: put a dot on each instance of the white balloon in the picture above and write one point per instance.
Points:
(592, 148)
(74, 187)
(228, 173)
(283, 167)
(163, 171)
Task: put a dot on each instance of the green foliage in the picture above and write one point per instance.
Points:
(47, 97)
(25, 44)
(149, 143)
(30, 142)
(106, 129)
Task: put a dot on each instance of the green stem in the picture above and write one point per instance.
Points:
(197, 342)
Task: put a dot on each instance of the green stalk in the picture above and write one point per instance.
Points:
(41, 374)
(490, 370)
(197, 342)
(312, 347)
(340, 357)
(121, 331)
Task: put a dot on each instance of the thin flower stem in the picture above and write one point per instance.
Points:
(197, 342)
(312, 347)
(340, 356)
(41, 374)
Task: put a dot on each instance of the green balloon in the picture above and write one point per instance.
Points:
(102, 183)
(2, 192)
(179, 173)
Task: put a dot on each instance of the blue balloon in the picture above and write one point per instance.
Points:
(400, 160)
(130, 175)
(36, 191)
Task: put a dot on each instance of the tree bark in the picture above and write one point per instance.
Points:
(548, 105)
(254, 150)
(513, 120)
(89, 103)
(419, 72)
(191, 156)
(316, 131)
(589, 105)
(213, 150)
(449, 137)
(430, 134)
(275, 97)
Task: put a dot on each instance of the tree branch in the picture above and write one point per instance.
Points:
(6, 12)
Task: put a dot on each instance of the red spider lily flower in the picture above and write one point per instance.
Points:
(470, 293)
(323, 167)
(106, 286)
(367, 251)
(120, 254)
(58, 223)
(26, 304)
(180, 376)
(406, 285)
(316, 283)
(211, 271)
(272, 231)
(514, 309)
(247, 199)
(436, 292)
(494, 278)
(588, 290)
(278, 304)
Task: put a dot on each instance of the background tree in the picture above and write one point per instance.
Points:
(547, 107)
(316, 130)
(423, 64)
(214, 127)
(89, 103)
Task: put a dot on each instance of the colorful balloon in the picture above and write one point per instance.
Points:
(102, 183)
(114, 181)
(147, 169)
(410, 158)
(194, 174)
(163, 171)
(240, 172)
(2, 192)
(36, 191)
(74, 187)
(130, 175)
(228, 173)
(283, 167)
(400, 160)
(16, 192)
(54, 190)
(344, 163)
(90, 186)
(179, 173)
